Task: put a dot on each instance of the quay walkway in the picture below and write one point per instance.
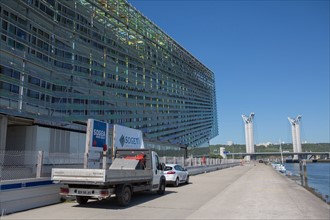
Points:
(252, 191)
(262, 193)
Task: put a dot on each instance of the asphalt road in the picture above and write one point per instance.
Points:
(243, 192)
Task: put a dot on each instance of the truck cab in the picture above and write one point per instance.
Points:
(158, 173)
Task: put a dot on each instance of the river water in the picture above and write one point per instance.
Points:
(318, 175)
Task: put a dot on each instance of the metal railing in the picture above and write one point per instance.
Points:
(197, 161)
(17, 165)
(35, 164)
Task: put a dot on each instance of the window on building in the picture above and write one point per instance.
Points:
(34, 80)
(4, 25)
(32, 94)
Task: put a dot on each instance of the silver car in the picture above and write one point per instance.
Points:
(176, 174)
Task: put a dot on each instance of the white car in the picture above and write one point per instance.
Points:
(176, 174)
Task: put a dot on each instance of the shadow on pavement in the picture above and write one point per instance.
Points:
(180, 185)
(137, 199)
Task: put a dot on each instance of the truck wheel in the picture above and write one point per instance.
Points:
(176, 183)
(82, 200)
(161, 189)
(124, 196)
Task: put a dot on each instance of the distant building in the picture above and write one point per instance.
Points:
(230, 143)
(264, 144)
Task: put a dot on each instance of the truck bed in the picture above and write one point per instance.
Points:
(121, 171)
(100, 176)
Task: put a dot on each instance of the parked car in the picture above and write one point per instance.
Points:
(176, 174)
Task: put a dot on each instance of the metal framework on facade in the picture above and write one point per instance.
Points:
(71, 60)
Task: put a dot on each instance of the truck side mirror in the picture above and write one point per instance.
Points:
(163, 166)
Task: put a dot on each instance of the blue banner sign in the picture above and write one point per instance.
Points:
(99, 134)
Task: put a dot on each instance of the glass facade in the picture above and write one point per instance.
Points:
(68, 61)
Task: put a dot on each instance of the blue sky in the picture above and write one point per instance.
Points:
(268, 57)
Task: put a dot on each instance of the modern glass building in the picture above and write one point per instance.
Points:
(64, 61)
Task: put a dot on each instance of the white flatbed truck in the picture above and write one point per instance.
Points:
(132, 170)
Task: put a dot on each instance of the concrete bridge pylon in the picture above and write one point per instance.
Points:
(295, 129)
(249, 140)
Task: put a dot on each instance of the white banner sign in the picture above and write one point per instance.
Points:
(125, 137)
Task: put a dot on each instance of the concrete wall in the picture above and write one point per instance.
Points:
(205, 169)
(16, 138)
(19, 195)
(77, 142)
(35, 138)
(43, 138)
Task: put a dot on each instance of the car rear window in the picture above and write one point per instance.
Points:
(168, 168)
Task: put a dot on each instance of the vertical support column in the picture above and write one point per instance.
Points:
(3, 132)
(104, 159)
(247, 137)
(3, 137)
(85, 160)
(295, 129)
(248, 123)
(247, 140)
(294, 143)
(251, 135)
(298, 141)
(39, 163)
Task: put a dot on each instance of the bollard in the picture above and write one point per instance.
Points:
(301, 172)
(305, 173)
